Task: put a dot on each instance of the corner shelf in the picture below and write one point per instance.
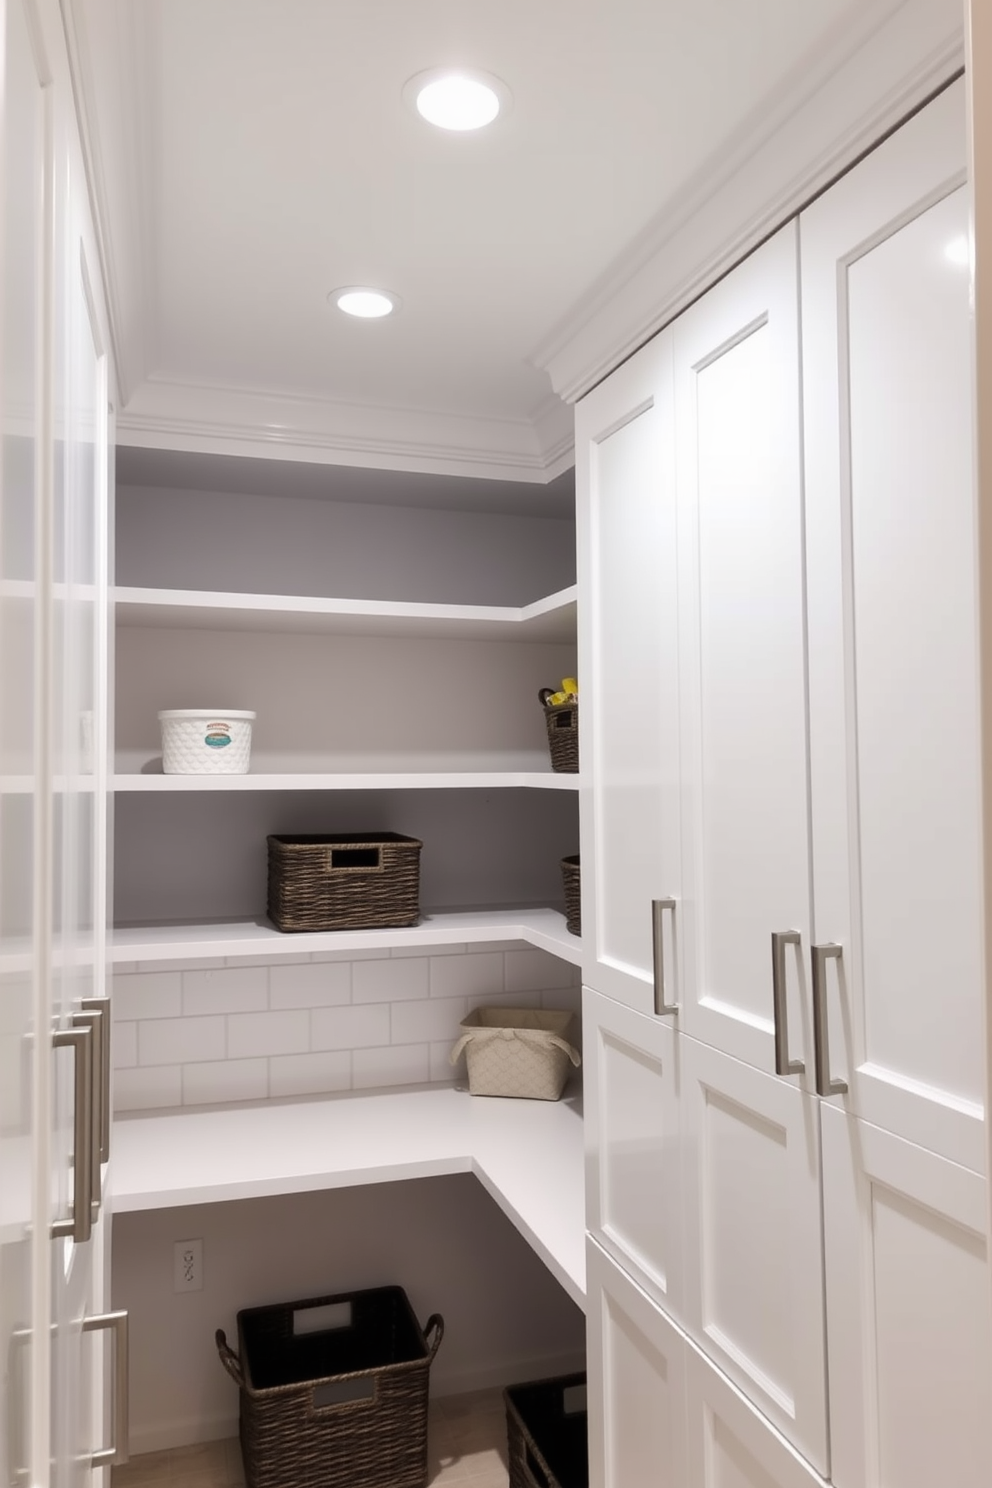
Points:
(352, 781)
(549, 619)
(198, 1157)
(541, 928)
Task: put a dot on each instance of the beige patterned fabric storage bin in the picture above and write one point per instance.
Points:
(517, 1052)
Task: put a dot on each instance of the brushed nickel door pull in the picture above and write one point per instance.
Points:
(658, 908)
(821, 1028)
(116, 1323)
(780, 1007)
(102, 1005)
(94, 1019)
(80, 1226)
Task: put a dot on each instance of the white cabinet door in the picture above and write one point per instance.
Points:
(891, 524)
(743, 671)
(730, 1444)
(636, 1371)
(633, 1154)
(628, 665)
(753, 1249)
(910, 1354)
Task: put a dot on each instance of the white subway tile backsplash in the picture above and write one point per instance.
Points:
(481, 947)
(181, 1040)
(428, 1021)
(199, 963)
(534, 971)
(567, 998)
(227, 1080)
(390, 981)
(260, 1034)
(430, 950)
(409, 1065)
(124, 1045)
(442, 1070)
(326, 985)
(309, 1074)
(322, 956)
(226, 989)
(468, 976)
(148, 1089)
(150, 994)
(282, 960)
(350, 1027)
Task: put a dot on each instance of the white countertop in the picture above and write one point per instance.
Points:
(527, 1154)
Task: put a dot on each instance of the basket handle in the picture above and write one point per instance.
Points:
(229, 1359)
(435, 1325)
(527, 1035)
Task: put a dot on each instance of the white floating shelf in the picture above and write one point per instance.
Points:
(542, 928)
(528, 1154)
(550, 619)
(352, 781)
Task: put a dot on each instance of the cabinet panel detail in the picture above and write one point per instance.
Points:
(753, 1252)
(634, 1190)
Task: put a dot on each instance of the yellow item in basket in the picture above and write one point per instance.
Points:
(570, 685)
(556, 699)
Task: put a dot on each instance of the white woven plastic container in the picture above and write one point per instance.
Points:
(198, 742)
(520, 1052)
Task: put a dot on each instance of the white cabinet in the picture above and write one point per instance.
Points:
(637, 1360)
(804, 448)
(633, 1158)
(625, 542)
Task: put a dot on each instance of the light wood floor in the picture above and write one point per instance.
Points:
(466, 1449)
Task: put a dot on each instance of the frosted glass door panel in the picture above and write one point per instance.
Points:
(636, 1365)
(629, 681)
(633, 1166)
(743, 661)
(22, 1209)
(907, 1288)
(753, 1250)
(894, 647)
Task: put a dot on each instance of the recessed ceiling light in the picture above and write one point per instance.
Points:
(457, 98)
(367, 304)
(958, 251)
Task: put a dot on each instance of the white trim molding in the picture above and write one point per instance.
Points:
(880, 69)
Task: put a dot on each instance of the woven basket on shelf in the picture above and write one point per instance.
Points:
(342, 1406)
(563, 737)
(347, 881)
(517, 1052)
(546, 1433)
(572, 879)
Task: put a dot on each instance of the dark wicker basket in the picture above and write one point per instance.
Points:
(342, 1407)
(563, 737)
(546, 1433)
(572, 879)
(351, 881)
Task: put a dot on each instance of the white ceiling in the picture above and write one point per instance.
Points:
(250, 155)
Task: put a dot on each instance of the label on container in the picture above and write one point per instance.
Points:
(218, 737)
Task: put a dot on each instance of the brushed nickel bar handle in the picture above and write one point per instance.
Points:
(93, 1019)
(102, 1005)
(116, 1323)
(80, 1226)
(658, 907)
(780, 1007)
(821, 1029)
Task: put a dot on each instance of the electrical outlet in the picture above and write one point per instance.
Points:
(187, 1266)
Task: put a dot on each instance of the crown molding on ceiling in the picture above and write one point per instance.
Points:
(213, 419)
(905, 50)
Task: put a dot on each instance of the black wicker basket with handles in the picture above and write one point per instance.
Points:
(562, 722)
(334, 1391)
(344, 881)
(571, 874)
(546, 1433)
